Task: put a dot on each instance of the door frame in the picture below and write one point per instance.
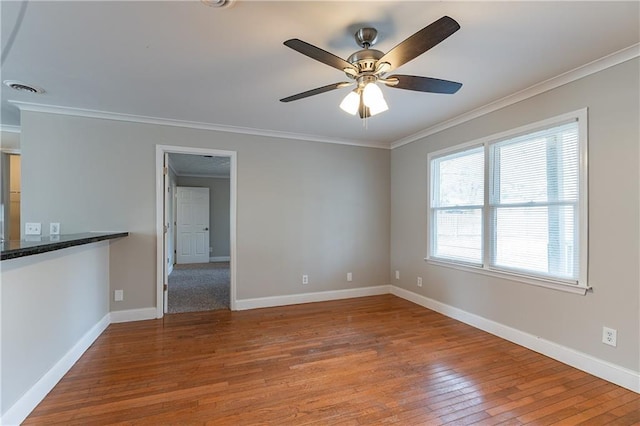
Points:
(160, 205)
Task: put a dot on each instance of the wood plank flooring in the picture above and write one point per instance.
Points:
(365, 361)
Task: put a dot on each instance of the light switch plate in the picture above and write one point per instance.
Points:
(32, 228)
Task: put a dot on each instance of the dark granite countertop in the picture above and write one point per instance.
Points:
(15, 249)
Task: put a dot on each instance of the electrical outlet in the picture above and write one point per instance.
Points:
(397, 275)
(609, 336)
(118, 295)
(419, 281)
(305, 279)
(54, 228)
(349, 276)
(32, 228)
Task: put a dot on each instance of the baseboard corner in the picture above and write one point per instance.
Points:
(130, 315)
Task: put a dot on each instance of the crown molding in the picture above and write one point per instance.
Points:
(538, 88)
(10, 129)
(106, 115)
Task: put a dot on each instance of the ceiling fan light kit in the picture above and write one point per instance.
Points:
(351, 102)
(367, 67)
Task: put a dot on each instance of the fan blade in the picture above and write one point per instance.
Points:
(423, 84)
(316, 91)
(318, 54)
(420, 42)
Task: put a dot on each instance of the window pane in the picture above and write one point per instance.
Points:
(540, 167)
(536, 239)
(459, 179)
(458, 235)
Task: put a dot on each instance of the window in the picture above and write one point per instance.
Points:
(514, 203)
(458, 206)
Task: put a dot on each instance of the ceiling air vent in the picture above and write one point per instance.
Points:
(23, 87)
(218, 3)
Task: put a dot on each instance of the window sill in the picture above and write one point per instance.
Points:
(554, 285)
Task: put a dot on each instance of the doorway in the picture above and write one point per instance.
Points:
(10, 223)
(204, 278)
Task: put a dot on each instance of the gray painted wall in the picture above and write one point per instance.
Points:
(218, 210)
(570, 320)
(303, 207)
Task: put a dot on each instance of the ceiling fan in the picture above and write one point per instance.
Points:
(367, 67)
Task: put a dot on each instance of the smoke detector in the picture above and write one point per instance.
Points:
(23, 87)
(218, 3)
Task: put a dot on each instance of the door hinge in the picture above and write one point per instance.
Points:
(165, 228)
(165, 170)
(166, 287)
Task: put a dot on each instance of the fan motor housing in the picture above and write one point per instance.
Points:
(366, 59)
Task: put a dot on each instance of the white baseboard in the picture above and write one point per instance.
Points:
(133, 315)
(170, 269)
(320, 296)
(605, 370)
(21, 409)
(220, 259)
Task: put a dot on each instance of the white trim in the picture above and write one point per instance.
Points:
(12, 151)
(23, 407)
(320, 296)
(598, 65)
(621, 376)
(170, 269)
(233, 212)
(220, 259)
(531, 280)
(202, 176)
(10, 129)
(107, 115)
(129, 315)
(233, 178)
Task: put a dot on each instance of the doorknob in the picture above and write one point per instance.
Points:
(206, 229)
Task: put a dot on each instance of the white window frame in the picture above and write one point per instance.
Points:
(579, 286)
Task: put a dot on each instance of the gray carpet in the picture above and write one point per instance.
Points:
(199, 287)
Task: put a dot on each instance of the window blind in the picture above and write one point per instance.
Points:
(533, 202)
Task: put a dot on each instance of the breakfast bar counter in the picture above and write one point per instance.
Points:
(15, 249)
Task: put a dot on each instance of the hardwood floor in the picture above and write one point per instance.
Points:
(360, 361)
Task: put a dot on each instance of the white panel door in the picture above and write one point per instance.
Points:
(193, 225)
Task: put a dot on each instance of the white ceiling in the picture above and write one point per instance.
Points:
(228, 67)
(200, 165)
